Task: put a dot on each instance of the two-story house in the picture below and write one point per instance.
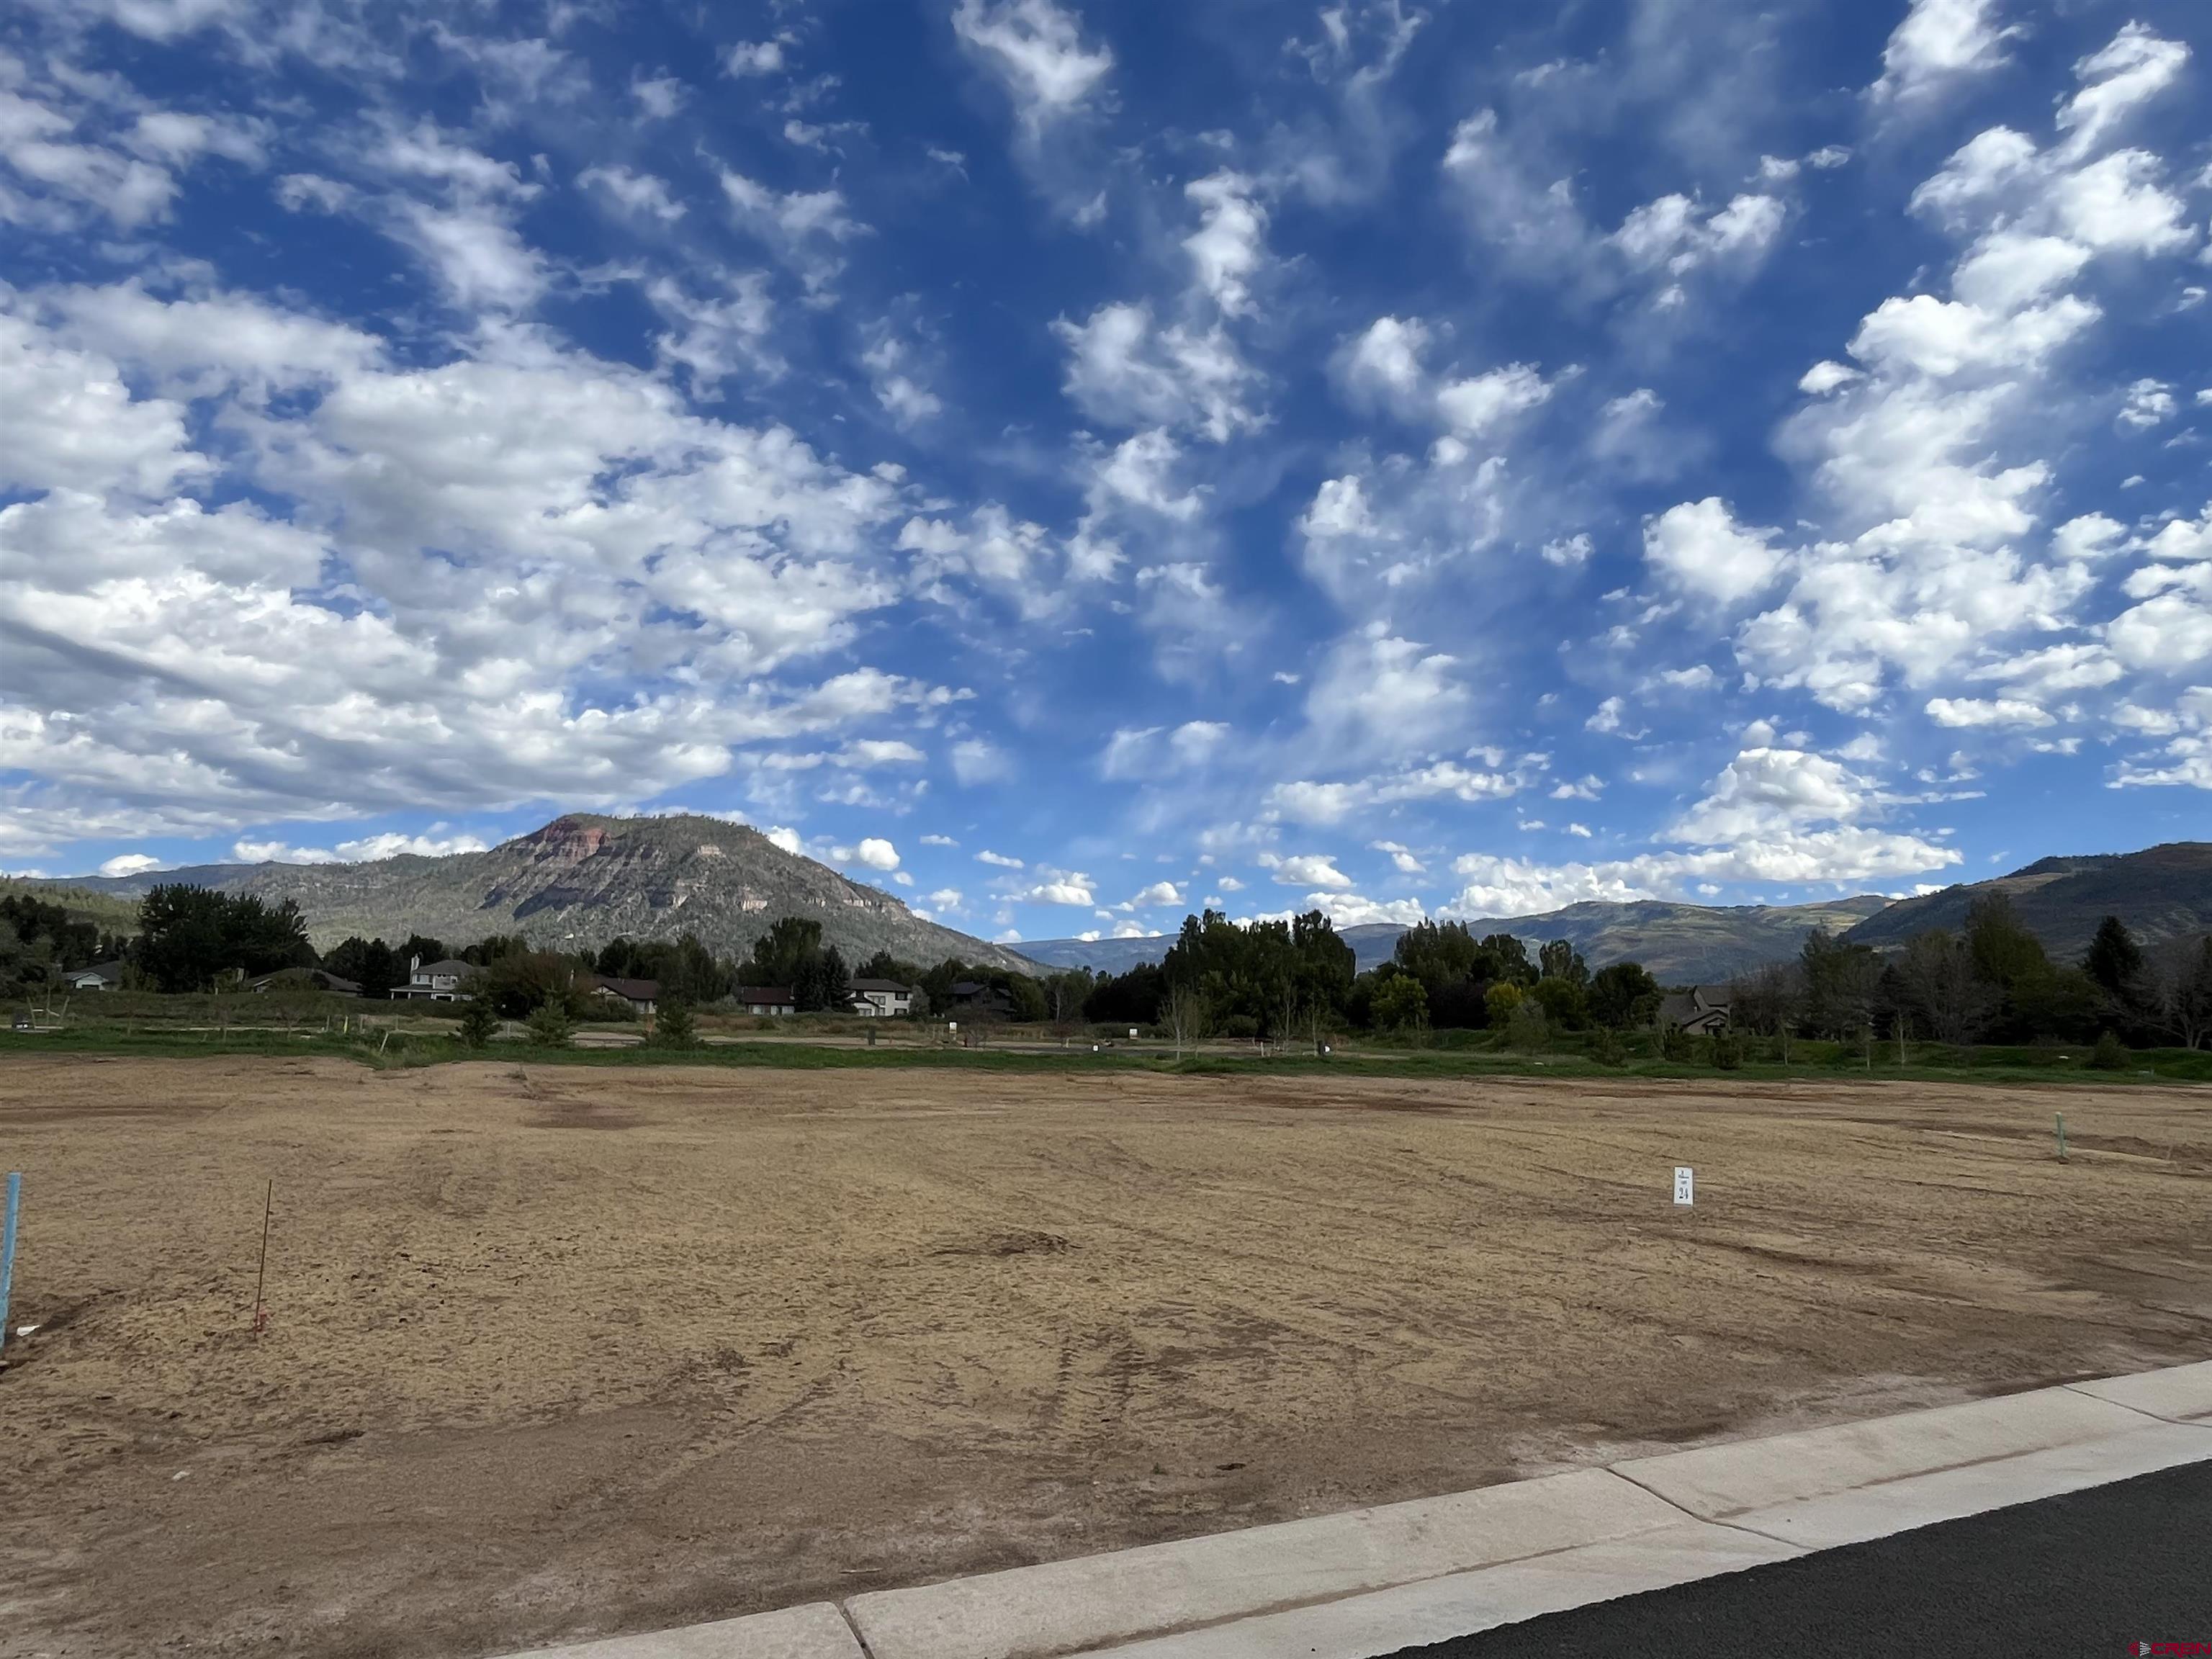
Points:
(883, 998)
(436, 981)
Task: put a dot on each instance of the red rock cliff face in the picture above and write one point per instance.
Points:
(565, 840)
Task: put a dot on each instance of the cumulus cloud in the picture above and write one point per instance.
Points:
(1938, 41)
(1699, 548)
(1305, 870)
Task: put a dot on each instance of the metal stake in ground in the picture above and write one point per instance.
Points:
(261, 1278)
(2061, 1116)
(8, 1250)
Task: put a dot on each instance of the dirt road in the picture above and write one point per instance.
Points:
(568, 1351)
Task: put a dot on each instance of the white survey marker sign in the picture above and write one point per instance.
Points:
(1685, 1184)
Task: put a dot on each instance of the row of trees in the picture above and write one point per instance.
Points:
(1281, 980)
(1276, 979)
(39, 941)
(1993, 982)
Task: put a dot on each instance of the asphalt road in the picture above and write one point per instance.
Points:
(2090, 1573)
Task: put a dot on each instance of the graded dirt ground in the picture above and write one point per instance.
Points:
(558, 1351)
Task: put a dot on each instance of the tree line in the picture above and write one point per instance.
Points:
(1992, 981)
(1279, 980)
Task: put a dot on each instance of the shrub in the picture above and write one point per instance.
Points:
(1526, 1028)
(1727, 1050)
(2111, 1054)
(549, 1027)
(1674, 1042)
(1606, 1049)
(673, 1026)
(479, 1022)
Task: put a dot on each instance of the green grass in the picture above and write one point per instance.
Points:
(1829, 1062)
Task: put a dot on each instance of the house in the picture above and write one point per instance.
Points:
(765, 1000)
(978, 1000)
(640, 993)
(1702, 1011)
(305, 979)
(883, 998)
(436, 981)
(101, 976)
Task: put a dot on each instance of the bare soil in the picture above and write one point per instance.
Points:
(555, 1352)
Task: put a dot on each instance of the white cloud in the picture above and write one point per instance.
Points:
(1700, 549)
(1074, 890)
(1000, 860)
(1570, 552)
(2148, 402)
(754, 57)
(1352, 910)
(2138, 65)
(393, 844)
(637, 192)
(1999, 711)
(1824, 377)
(1305, 870)
(875, 852)
(1037, 50)
(787, 839)
(1229, 245)
(1402, 858)
(131, 864)
(1159, 893)
(1477, 407)
(1674, 234)
(1381, 366)
(1938, 41)
(1377, 693)
(1125, 369)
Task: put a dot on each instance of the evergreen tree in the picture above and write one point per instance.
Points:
(479, 1022)
(2114, 960)
(673, 1026)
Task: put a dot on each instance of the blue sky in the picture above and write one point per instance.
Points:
(1072, 464)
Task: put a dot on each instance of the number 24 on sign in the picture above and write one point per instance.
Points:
(1684, 1188)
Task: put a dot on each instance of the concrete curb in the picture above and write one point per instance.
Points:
(817, 1631)
(1369, 1581)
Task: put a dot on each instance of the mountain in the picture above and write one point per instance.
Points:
(1681, 943)
(583, 880)
(1105, 955)
(2161, 892)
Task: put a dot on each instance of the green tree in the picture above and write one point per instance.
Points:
(1614, 992)
(1401, 1004)
(2114, 960)
(188, 935)
(672, 1024)
(549, 1024)
(520, 983)
(1565, 1003)
(1500, 1002)
(479, 1022)
(1841, 983)
(1560, 960)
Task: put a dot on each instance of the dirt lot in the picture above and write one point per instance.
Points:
(573, 1351)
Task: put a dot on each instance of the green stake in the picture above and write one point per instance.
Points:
(2061, 1116)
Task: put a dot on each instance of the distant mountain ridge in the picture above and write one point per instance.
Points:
(1681, 943)
(2161, 892)
(584, 880)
